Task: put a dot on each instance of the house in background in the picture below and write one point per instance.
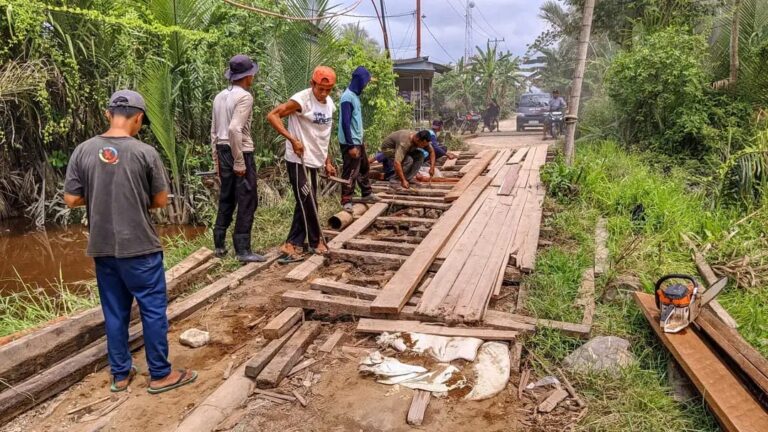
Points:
(414, 84)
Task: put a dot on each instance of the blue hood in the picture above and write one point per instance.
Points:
(360, 78)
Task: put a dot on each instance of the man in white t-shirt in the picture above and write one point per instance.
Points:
(310, 113)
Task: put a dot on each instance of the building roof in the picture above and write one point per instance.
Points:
(418, 65)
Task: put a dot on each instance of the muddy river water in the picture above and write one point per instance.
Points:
(54, 254)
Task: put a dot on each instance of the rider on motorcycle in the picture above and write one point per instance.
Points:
(556, 104)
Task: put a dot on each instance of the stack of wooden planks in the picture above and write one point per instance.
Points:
(504, 222)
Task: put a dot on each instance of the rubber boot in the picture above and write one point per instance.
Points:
(243, 249)
(220, 243)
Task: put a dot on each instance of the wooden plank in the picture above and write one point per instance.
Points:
(33, 352)
(601, 247)
(501, 174)
(423, 192)
(518, 156)
(710, 278)
(450, 162)
(505, 320)
(303, 270)
(734, 407)
(515, 356)
(340, 306)
(282, 323)
(288, 356)
(586, 296)
(419, 198)
(257, 363)
(550, 403)
(418, 204)
(734, 346)
(404, 221)
(381, 246)
(275, 395)
(465, 221)
(332, 341)
(499, 162)
(508, 185)
(72, 369)
(469, 178)
(329, 286)
(418, 407)
(400, 288)
(367, 325)
(360, 257)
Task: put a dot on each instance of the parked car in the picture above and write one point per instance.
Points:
(531, 109)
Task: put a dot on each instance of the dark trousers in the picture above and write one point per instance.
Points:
(305, 225)
(120, 280)
(355, 169)
(412, 163)
(236, 193)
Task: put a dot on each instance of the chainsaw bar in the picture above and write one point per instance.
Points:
(710, 295)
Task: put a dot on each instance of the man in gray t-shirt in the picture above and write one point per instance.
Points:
(118, 179)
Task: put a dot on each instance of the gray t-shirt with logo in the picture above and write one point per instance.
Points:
(117, 177)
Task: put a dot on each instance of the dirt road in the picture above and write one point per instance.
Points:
(506, 138)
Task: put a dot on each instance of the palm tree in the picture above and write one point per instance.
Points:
(360, 36)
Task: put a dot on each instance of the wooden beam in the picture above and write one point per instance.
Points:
(508, 185)
(332, 341)
(389, 247)
(400, 288)
(359, 257)
(413, 203)
(465, 222)
(404, 221)
(288, 356)
(586, 296)
(505, 320)
(426, 192)
(303, 270)
(469, 178)
(730, 402)
(418, 407)
(601, 248)
(417, 198)
(72, 369)
(339, 306)
(282, 323)
(367, 325)
(450, 163)
(258, 362)
(710, 278)
(33, 352)
(518, 156)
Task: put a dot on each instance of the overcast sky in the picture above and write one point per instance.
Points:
(515, 21)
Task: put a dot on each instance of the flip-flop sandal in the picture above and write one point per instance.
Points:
(131, 375)
(177, 384)
(288, 258)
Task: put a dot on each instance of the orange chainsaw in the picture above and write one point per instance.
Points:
(680, 299)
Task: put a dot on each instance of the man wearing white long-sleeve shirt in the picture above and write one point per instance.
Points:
(232, 148)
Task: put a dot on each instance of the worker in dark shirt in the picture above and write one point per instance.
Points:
(118, 179)
(402, 155)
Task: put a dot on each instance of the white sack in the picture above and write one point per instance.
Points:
(491, 371)
(442, 348)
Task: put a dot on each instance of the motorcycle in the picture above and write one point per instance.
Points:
(556, 122)
(470, 123)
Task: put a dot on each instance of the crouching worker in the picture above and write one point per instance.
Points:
(402, 155)
(310, 114)
(118, 179)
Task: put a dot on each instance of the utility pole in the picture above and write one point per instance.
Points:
(735, 42)
(468, 31)
(418, 28)
(578, 79)
(383, 23)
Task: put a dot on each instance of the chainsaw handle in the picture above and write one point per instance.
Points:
(676, 276)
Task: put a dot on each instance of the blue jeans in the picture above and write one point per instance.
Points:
(120, 280)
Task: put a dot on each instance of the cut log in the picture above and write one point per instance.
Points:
(400, 288)
(380, 246)
(255, 365)
(33, 352)
(730, 402)
(418, 407)
(366, 325)
(282, 323)
(362, 258)
(53, 380)
(288, 355)
(332, 341)
(344, 218)
(469, 178)
(601, 248)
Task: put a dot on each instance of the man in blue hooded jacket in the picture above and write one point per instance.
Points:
(355, 160)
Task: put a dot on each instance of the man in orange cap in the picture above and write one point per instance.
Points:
(310, 114)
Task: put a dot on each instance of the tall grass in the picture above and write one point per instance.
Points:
(611, 182)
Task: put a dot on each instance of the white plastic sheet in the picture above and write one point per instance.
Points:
(491, 370)
(442, 348)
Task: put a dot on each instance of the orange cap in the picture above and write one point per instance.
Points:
(324, 75)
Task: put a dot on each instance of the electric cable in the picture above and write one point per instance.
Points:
(437, 40)
(293, 18)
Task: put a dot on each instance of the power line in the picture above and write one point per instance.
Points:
(400, 15)
(429, 30)
(450, 3)
(407, 35)
(482, 15)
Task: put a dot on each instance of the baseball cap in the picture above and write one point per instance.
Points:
(324, 75)
(240, 66)
(131, 99)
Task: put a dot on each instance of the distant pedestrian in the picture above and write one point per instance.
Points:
(355, 160)
(118, 179)
(310, 118)
(232, 148)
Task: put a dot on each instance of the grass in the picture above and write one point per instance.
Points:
(35, 305)
(610, 182)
